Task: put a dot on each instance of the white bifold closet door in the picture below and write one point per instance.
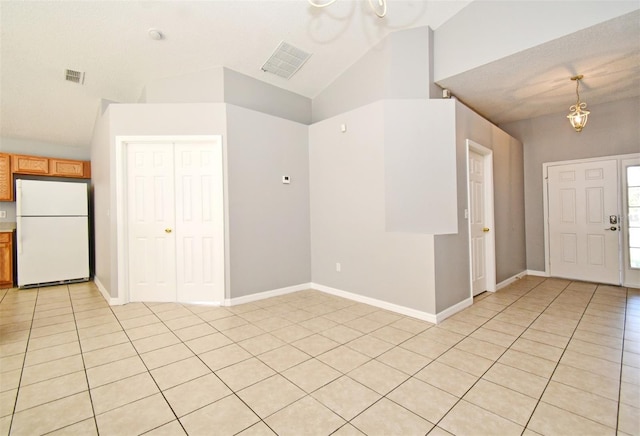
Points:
(175, 221)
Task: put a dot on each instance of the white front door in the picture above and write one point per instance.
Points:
(583, 221)
(478, 229)
(151, 222)
(175, 221)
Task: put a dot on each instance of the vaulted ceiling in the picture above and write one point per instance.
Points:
(109, 41)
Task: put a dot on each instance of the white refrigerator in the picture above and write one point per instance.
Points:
(52, 225)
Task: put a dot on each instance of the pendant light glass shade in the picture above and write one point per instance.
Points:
(579, 113)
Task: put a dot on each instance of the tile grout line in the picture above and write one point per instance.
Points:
(624, 332)
(558, 363)
(433, 360)
(507, 349)
(15, 404)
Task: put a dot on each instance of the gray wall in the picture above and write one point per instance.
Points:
(452, 270)
(250, 93)
(347, 184)
(268, 220)
(223, 85)
(613, 129)
(104, 244)
(397, 67)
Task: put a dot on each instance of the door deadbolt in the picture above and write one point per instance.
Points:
(167, 230)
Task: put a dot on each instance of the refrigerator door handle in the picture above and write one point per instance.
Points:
(19, 233)
(19, 197)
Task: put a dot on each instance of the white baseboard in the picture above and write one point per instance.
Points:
(532, 272)
(105, 294)
(266, 294)
(377, 303)
(441, 316)
(507, 282)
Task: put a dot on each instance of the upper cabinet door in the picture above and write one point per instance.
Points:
(30, 164)
(69, 168)
(6, 191)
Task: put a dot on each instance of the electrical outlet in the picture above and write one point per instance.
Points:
(3, 213)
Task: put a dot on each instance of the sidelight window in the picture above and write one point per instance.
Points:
(633, 214)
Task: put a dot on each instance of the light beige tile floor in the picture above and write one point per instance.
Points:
(542, 356)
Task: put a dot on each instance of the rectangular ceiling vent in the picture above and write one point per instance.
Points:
(74, 76)
(286, 60)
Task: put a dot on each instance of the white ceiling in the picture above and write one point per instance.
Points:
(108, 40)
(537, 81)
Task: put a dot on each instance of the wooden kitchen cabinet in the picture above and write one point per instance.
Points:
(6, 260)
(69, 168)
(23, 164)
(6, 188)
(11, 164)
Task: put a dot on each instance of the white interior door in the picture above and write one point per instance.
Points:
(151, 220)
(477, 226)
(199, 211)
(584, 221)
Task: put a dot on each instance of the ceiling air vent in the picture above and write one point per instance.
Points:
(74, 76)
(286, 60)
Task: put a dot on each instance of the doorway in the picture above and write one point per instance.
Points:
(480, 216)
(173, 219)
(589, 219)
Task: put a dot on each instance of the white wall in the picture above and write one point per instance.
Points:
(488, 30)
(613, 129)
(129, 120)
(420, 166)
(347, 185)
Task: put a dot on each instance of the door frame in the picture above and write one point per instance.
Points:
(122, 258)
(489, 215)
(545, 205)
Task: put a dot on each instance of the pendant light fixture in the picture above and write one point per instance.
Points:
(579, 113)
(380, 10)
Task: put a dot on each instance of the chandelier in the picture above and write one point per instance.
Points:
(380, 10)
(579, 113)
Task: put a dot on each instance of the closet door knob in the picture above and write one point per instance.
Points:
(168, 230)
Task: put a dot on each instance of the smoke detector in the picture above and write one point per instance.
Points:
(285, 61)
(74, 76)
